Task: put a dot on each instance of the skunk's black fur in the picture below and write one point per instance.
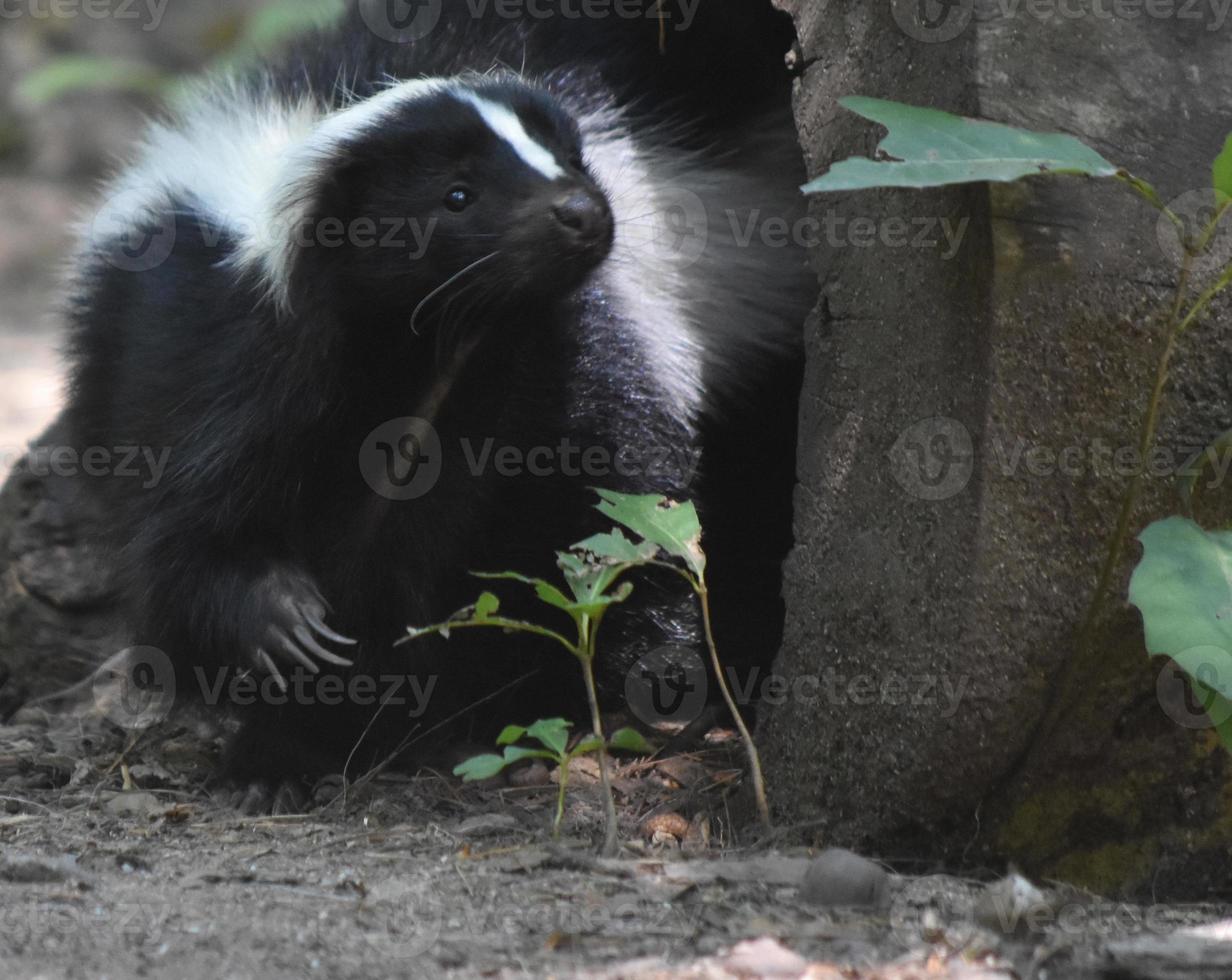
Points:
(264, 366)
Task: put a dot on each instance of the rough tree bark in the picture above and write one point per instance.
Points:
(946, 548)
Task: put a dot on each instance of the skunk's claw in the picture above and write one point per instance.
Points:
(322, 630)
(294, 619)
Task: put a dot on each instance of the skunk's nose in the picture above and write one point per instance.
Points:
(586, 218)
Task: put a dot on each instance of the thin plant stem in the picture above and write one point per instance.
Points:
(750, 747)
(611, 841)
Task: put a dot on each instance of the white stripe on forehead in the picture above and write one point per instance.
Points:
(505, 124)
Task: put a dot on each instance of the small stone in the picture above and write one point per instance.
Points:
(838, 877)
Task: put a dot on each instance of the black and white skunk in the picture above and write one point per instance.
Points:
(536, 238)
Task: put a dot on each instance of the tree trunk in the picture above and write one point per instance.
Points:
(958, 468)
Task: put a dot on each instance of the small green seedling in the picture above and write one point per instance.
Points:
(1184, 581)
(668, 535)
(553, 735)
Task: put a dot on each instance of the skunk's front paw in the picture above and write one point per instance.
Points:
(294, 630)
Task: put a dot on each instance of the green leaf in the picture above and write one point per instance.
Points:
(511, 734)
(672, 526)
(589, 582)
(591, 743)
(931, 148)
(552, 732)
(486, 606)
(1221, 171)
(1183, 587)
(546, 591)
(514, 753)
(630, 740)
(480, 767)
(615, 547)
(86, 73)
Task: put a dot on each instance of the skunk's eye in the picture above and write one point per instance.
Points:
(575, 160)
(459, 198)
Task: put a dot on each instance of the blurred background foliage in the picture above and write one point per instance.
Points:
(48, 59)
(78, 79)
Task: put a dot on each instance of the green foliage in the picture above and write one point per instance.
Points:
(553, 735)
(931, 148)
(669, 536)
(262, 29)
(1183, 588)
(672, 526)
(75, 73)
(1221, 171)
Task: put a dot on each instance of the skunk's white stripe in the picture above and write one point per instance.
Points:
(648, 283)
(505, 124)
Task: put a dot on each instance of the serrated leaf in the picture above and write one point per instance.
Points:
(672, 526)
(552, 732)
(480, 767)
(931, 148)
(630, 740)
(615, 547)
(1221, 171)
(589, 582)
(511, 734)
(1183, 588)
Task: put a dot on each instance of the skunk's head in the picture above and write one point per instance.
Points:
(435, 189)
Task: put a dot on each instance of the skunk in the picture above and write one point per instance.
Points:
(392, 307)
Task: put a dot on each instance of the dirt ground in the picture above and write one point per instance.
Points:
(116, 861)
(420, 877)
